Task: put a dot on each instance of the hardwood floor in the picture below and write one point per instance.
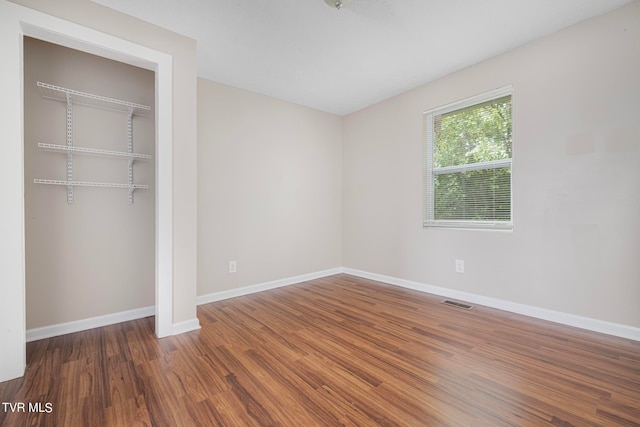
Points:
(333, 351)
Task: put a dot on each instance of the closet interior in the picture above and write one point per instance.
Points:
(89, 135)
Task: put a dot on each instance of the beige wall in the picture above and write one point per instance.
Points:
(95, 256)
(183, 52)
(576, 180)
(269, 188)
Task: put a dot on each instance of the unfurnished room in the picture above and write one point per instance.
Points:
(320, 213)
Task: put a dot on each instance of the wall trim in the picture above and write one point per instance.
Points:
(252, 289)
(36, 334)
(90, 323)
(185, 326)
(595, 325)
(176, 328)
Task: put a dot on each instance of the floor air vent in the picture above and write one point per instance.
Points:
(457, 304)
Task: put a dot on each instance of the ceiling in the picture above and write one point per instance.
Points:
(340, 61)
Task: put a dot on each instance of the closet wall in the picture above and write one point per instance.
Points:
(95, 256)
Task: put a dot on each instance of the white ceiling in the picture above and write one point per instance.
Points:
(340, 61)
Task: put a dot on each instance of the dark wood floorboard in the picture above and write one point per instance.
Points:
(337, 351)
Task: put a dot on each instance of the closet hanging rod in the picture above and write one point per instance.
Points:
(93, 151)
(90, 184)
(58, 93)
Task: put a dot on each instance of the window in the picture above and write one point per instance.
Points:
(468, 163)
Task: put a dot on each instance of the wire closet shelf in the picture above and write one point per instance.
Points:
(71, 97)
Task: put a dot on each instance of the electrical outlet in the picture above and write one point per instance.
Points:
(459, 266)
(233, 266)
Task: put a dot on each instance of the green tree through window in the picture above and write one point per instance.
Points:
(469, 150)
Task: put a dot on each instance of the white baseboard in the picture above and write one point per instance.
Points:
(177, 328)
(106, 320)
(84, 324)
(609, 328)
(185, 326)
(246, 290)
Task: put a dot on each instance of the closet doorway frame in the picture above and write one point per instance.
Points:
(31, 23)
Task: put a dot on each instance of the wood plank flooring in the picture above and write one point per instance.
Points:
(330, 352)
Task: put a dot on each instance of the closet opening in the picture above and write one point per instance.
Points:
(89, 187)
(158, 177)
(16, 23)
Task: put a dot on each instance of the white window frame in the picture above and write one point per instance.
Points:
(431, 173)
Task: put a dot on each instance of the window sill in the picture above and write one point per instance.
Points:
(468, 225)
